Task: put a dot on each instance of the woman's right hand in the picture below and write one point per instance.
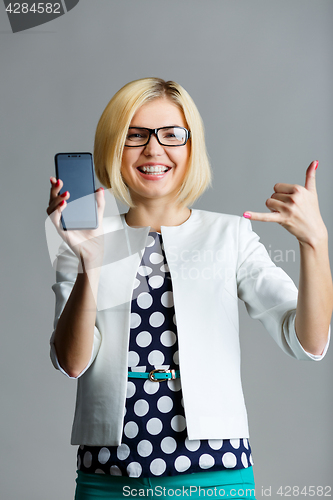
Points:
(87, 244)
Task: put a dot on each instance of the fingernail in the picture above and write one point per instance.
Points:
(61, 203)
(58, 182)
(247, 215)
(51, 180)
(64, 194)
(317, 163)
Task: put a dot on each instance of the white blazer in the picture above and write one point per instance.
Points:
(213, 259)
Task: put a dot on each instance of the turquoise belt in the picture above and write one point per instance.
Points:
(156, 375)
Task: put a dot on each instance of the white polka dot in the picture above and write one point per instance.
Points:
(87, 459)
(167, 299)
(144, 300)
(168, 338)
(156, 258)
(229, 460)
(182, 463)
(154, 426)
(133, 359)
(244, 460)
(206, 461)
(144, 270)
(158, 466)
(131, 429)
(144, 448)
(135, 320)
(174, 319)
(130, 389)
(192, 444)
(78, 462)
(156, 319)
(164, 404)
(123, 451)
(168, 445)
(134, 469)
(251, 460)
(156, 358)
(115, 471)
(141, 407)
(151, 387)
(176, 358)
(103, 455)
(150, 241)
(136, 283)
(81, 446)
(215, 444)
(246, 443)
(235, 443)
(178, 423)
(156, 281)
(99, 471)
(165, 268)
(174, 385)
(143, 339)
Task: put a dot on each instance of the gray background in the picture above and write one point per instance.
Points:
(261, 74)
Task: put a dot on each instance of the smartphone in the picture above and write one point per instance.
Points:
(76, 170)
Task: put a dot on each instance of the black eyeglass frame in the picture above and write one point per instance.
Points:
(154, 131)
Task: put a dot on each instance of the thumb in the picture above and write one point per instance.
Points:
(100, 199)
(310, 177)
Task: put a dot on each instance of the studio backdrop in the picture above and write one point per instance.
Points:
(261, 75)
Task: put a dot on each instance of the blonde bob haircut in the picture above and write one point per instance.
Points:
(113, 126)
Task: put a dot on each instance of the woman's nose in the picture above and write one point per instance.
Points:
(153, 148)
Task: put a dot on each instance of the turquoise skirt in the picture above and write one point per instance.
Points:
(232, 484)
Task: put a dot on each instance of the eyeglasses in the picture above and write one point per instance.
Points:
(166, 136)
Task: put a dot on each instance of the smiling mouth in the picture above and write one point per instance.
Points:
(154, 170)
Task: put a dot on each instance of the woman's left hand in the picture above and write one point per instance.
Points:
(296, 208)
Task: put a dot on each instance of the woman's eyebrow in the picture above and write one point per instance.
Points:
(165, 126)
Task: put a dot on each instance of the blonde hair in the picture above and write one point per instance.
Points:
(113, 126)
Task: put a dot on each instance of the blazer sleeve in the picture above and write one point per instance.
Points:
(66, 272)
(269, 293)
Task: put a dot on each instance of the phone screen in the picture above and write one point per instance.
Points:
(77, 173)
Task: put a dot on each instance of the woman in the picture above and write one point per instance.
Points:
(157, 289)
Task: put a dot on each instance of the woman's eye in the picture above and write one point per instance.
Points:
(134, 136)
(168, 135)
(137, 135)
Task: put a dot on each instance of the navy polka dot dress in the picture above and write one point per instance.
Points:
(154, 441)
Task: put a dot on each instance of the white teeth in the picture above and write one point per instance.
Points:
(154, 169)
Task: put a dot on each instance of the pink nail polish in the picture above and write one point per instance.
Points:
(247, 215)
(317, 163)
(61, 203)
(58, 182)
(64, 194)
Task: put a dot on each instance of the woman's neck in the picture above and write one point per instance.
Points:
(157, 215)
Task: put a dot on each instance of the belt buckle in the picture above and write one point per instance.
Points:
(153, 379)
